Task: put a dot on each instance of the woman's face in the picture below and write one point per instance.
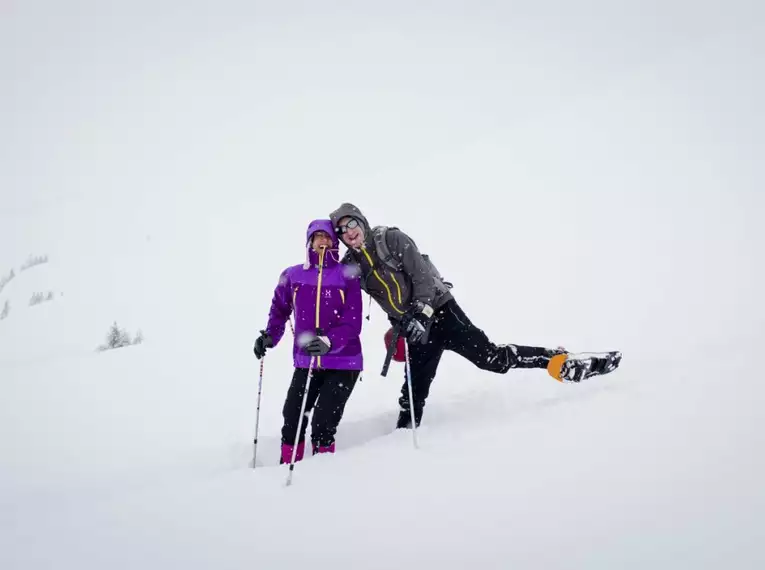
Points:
(320, 240)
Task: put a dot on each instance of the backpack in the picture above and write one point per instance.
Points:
(380, 235)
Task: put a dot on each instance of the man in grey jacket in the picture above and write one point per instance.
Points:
(409, 288)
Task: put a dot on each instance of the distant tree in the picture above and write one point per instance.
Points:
(6, 310)
(138, 339)
(115, 338)
(38, 298)
(6, 279)
(34, 260)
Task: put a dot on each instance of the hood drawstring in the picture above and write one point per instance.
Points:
(307, 264)
(333, 252)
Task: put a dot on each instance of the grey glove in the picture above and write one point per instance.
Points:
(318, 346)
(416, 324)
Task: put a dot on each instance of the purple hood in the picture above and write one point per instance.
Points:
(331, 257)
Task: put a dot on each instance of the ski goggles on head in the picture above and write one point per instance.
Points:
(352, 224)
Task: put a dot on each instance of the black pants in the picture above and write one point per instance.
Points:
(451, 329)
(327, 395)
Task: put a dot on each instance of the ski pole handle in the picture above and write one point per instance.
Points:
(391, 349)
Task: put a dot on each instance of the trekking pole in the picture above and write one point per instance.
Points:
(391, 350)
(257, 415)
(300, 421)
(411, 396)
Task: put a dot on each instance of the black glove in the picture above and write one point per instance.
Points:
(263, 342)
(318, 346)
(416, 324)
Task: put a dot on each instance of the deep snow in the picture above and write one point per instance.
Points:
(587, 174)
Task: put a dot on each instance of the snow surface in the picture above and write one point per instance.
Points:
(588, 174)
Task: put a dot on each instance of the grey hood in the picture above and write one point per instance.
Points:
(348, 209)
(402, 276)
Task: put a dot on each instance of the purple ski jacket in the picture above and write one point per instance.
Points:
(321, 293)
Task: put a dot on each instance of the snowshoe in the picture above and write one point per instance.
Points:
(578, 367)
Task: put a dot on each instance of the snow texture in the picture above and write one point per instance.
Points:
(587, 174)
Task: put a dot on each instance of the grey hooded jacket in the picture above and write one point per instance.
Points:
(398, 279)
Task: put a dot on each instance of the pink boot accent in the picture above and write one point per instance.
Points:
(324, 449)
(287, 452)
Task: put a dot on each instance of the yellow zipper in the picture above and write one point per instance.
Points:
(342, 296)
(398, 289)
(318, 297)
(384, 284)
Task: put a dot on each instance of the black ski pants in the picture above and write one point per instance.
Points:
(327, 395)
(451, 329)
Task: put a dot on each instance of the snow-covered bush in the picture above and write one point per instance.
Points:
(34, 260)
(38, 298)
(5, 279)
(118, 338)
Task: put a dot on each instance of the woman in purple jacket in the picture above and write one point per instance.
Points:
(326, 302)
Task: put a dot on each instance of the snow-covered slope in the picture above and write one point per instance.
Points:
(587, 174)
